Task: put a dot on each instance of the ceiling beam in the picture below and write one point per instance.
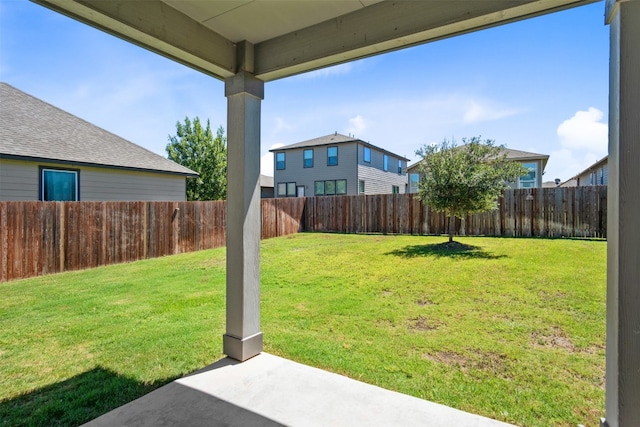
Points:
(389, 26)
(158, 27)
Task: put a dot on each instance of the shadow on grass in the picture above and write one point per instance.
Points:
(447, 249)
(74, 401)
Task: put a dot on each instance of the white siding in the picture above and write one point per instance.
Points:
(19, 180)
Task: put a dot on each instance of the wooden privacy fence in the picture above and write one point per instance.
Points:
(49, 237)
(545, 212)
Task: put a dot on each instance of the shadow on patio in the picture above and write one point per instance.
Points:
(270, 391)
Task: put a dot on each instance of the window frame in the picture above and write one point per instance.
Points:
(361, 186)
(306, 164)
(395, 189)
(42, 186)
(399, 167)
(366, 155)
(287, 187)
(339, 187)
(385, 163)
(284, 161)
(329, 157)
(532, 182)
(414, 188)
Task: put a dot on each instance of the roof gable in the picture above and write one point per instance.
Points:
(33, 129)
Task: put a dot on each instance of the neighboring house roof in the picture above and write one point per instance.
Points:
(334, 139)
(573, 181)
(512, 154)
(31, 129)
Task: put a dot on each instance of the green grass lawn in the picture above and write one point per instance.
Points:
(513, 329)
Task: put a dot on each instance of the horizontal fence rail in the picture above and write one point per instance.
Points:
(49, 237)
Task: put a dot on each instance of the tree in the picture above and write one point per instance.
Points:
(466, 179)
(197, 149)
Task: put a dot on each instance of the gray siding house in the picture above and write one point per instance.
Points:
(596, 174)
(534, 162)
(48, 154)
(337, 165)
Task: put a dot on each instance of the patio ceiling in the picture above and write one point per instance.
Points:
(291, 37)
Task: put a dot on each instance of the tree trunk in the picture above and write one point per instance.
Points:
(452, 226)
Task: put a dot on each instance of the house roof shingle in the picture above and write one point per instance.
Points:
(33, 129)
(333, 139)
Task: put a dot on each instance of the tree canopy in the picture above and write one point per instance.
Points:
(466, 179)
(196, 148)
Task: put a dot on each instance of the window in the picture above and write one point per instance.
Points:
(280, 161)
(361, 186)
(330, 187)
(286, 189)
(529, 180)
(399, 167)
(385, 163)
(291, 189)
(367, 154)
(414, 180)
(395, 189)
(308, 158)
(332, 156)
(58, 185)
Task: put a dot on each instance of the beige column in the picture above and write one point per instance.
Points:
(623, 227)
(243, 338)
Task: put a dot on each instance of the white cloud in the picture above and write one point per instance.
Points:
(585, 131)
(266, 161)
(583, 141)
(483, 111)
(357, 125)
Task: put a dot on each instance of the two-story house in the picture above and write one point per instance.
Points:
(534, 162)
(337, 165)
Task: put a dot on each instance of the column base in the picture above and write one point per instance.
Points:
(242, 349)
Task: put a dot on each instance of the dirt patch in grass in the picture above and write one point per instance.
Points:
(494, 363)
(421, 323)
(425, 301)
(555, 338)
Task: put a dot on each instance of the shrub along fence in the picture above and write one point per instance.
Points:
(50, 237)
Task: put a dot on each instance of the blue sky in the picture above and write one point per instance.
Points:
(539, 85)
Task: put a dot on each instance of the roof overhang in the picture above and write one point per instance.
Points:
(276, 39)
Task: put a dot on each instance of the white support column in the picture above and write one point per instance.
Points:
(623, 227)
(243, 338)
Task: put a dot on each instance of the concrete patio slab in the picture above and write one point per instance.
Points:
(271, 391)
